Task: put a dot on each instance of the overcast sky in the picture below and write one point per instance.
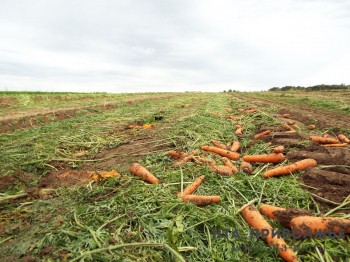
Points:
(172, 45)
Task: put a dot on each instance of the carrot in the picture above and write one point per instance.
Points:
(257, 136)
(291, 129)
(222, 152)
(185, 159)
(278, 149)
(221, 170)
(201, 200)
(314, 224)
(246, 167)
(268, 210)
(205, 160)
(266, 158)
(286, 170)
(249, 111)
(233, 146)
(336, 145)
(257, 221)
(343, 138)
(192, 187)
(143, 173)
(239, 131)
(286, 115)
(177, 154)
(323, 140)
(229, 164)
(218, 144)
(98, 175)
(291, 122)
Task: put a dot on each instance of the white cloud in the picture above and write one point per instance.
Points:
(164, 45)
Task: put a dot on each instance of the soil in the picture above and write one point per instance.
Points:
(11, 123)
(285, 216)
(6, 102)
(330, 185)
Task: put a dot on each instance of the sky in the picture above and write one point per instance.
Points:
(172, 45)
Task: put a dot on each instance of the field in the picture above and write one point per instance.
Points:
(52, 210)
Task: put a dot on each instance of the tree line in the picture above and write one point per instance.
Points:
(311, 88)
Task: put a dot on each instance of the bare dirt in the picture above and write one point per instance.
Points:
(329, 185)
(285, 216)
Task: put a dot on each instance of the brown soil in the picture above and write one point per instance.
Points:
(285, 216)
(6, 102)
(323, 155)
(330, 185)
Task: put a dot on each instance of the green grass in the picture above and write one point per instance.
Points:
(125, 219)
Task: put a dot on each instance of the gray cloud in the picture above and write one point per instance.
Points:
(164, 45)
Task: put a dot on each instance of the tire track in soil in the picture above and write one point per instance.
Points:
(329, 183)
(10, 123)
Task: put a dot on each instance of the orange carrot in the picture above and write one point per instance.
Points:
(221, 152)
(233, 146)
(314, 224)
(205, 160)
(218, 144)
(323, 140)
(286, 115)
(291, 129)
(286, 170)
(278, 149)
(336, 145)
(266, 158)
(192, 187)
(268, 210)
(201, 200)
(98, 175)
(246, 167)
(185, 159)
(239, 131)
(177, 154)
(257, 221)
(229, 164)
(249, 111)
(143, 173)
(343, 138)
(257, 136)
(221, 170)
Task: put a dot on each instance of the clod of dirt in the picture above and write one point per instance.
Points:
(329, 185)
(285, 216)
(323, 155)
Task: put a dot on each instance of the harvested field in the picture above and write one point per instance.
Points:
(67, 192)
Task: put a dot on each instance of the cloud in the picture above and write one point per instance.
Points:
(164, 45)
